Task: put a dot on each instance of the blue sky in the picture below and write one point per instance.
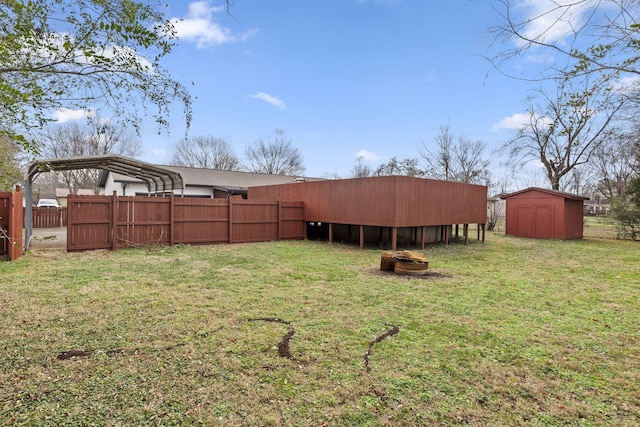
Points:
(342, 78)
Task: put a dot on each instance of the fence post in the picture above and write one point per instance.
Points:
(15, 246)
(113, 225)
(230, 201)
(172, 219)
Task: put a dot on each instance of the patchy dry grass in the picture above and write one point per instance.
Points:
(510, 332)
(600, 227)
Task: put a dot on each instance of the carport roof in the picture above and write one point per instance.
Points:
(157, 179)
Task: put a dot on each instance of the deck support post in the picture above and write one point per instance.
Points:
(394, 238)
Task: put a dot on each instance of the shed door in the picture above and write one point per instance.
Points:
(535, 221)
(544, 222)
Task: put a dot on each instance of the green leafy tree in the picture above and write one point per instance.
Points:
(82, 55)
(10, 159)
(626, 211)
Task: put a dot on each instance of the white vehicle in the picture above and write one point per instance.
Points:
(48, 203)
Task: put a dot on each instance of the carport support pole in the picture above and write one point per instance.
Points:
(362, 237)
(28, 212)
(422, 237)
(330, 232)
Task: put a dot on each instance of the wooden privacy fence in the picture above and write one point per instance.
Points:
(11, 223)
(49, 217)
(112, 222)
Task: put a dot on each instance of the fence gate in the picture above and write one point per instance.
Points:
(89, 222)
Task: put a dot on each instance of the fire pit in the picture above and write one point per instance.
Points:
(404, 262)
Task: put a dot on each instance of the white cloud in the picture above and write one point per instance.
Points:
(551, 21)
(513, 122)
(627, 84)
(199, 27)
(368, 156)
(276, 102)
(63, 115)
(518, 121)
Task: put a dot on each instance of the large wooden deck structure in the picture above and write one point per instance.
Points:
(387, 210)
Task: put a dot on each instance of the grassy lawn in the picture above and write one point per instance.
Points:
(603, 227)
(509, 332)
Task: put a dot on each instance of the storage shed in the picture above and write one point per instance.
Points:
(386, 210)
(544, 214)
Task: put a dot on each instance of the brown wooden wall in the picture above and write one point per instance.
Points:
(94, 221)
(11, 224)
(390, 201)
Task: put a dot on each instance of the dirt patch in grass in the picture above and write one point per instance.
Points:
(284, 349)
(391, 332)
(429, 275)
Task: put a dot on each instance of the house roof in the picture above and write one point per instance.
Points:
(556, 193)
(64, 192)
(218, 179)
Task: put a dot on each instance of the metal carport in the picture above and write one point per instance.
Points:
(157, 179)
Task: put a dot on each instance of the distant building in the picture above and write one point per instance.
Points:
(198, 182)
(63, 193)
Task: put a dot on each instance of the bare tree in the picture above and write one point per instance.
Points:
(613, 165)
(275, 155)
(206, 152)
(98, 136)
(439, 160)
(361, 169)
(455, 158)
(395, 167)
(593, 36)
(565, 128)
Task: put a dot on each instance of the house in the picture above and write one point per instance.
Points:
(544, 214)
(198, 182)
(63, 193)
(597, 206)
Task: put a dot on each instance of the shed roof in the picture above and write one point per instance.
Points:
(555, 193)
